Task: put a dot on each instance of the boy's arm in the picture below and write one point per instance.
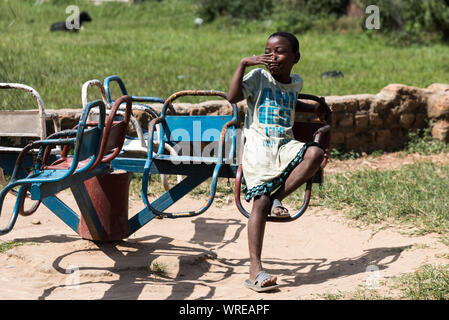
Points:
(235, 92)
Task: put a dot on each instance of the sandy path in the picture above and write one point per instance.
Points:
(205, 257)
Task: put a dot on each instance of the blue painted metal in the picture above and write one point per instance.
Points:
(44, 182)
(163, 202)
(169, 125)
(158, 166)
(62, 211)
(40, 176)
(194, 128)
(114, 78)
(143, 99)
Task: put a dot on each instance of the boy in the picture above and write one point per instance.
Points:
(273, 163)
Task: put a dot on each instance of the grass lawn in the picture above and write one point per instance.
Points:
(157, 50)
(415, 195)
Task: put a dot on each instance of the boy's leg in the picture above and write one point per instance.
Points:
(256, 229)
(302, 172)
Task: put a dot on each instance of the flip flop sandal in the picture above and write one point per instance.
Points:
(277, 204)
(256, 285)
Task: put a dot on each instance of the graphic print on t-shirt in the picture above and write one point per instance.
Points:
(276, 109)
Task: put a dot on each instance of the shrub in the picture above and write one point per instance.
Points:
(241, 9)
(301, 15)
(413, 20)
(293, 15)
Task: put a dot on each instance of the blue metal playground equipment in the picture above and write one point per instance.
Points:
(135, 146)
(94, 145)
(192, 131)
(206, 148)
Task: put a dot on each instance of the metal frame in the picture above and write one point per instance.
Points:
(9, 154)
(196, 172)
(91, 144)
(95, 145)
(130, 145)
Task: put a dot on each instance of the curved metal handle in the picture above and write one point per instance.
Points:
(107, 130)
(117, 79)
(183, 93)
(38, 99)
(15, 213)
(322, 102)
(328, 120)
(92, 83)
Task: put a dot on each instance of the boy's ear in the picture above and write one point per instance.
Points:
(297, 57)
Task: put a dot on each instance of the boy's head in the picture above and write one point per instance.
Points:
(284, 48)
(294, 43)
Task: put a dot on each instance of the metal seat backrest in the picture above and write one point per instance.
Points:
(194, 128)
(25, 123)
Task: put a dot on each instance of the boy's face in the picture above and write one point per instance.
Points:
(283, 56)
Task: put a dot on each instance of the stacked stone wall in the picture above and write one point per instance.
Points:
(363, 122)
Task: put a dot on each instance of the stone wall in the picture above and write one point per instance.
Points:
(364, 122)
(368, 122)
(383, 121)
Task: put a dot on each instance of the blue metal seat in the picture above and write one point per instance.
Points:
(202, 134)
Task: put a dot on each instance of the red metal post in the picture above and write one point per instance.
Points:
(109, 195)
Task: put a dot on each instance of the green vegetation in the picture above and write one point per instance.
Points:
(414, 20)
(415, 195)
(427, 283)
(422, 142)
(158, 268)
(8, 245)
(157, 49)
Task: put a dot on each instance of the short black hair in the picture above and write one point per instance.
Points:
(290, 37)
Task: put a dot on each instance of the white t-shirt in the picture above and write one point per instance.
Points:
(270, 151)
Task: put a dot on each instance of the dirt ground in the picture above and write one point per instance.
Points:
(206, 257)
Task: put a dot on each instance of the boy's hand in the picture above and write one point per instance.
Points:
(264, 59)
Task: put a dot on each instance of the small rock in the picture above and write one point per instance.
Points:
(36, 221)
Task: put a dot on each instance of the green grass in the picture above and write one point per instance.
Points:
(8, 245)
(151, 44)
(414, 195)
(422, 142)
(158, 268)
(427, 283)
